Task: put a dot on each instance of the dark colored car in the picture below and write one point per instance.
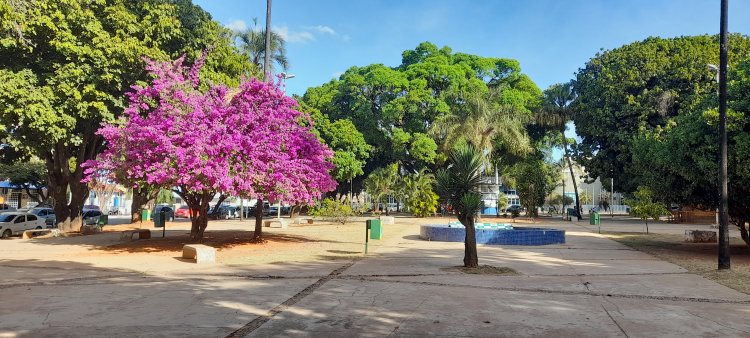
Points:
(91, 217)
(250, 211)
(513, 208)
(168, 211)
(223, 212)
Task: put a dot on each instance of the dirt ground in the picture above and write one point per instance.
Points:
(698, 258)
(322, 240)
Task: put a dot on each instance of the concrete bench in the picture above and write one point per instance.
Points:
(142, 234)
(35, 232)
(275, 223)
(300, 220)
(700, 236)
(387, 220)
(199, 252)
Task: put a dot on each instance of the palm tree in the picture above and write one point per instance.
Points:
(252, 42)
(459, 185)
(480, 120)
(556, 113)
(381, 183)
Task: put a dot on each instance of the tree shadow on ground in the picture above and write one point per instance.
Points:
(220, 239)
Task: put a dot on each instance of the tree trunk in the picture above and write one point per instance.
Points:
(572, 176)
(743, 231)
(141, 197)
(67, 211)
(258, 233)
(471, 257)
(646, 226)
(198, 204)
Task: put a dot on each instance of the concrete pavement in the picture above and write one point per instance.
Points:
(590, 286)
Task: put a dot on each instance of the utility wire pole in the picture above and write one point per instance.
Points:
(267, 51)
(724, 262)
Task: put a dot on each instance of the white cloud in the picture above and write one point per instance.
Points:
(237, 25)
(291, 36)
(322, 29)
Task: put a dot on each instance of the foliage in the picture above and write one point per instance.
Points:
(381, 183)
(644, 207)
(348, 144)
(395, 107)
(458, 184)
(535, 179)
(164, 196)
(29, 175)
(585, 198)
(502, 202)
(202, 143)
(66, 64)
(252, 43)
(644, 87)
(420, 198)
(332, 210)
(560, 200)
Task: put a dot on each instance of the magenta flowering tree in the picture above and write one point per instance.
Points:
(249, 142)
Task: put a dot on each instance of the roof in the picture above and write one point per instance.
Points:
(7, 184)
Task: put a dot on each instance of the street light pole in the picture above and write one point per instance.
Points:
(724, 261)
(267, 51)
(612, 196)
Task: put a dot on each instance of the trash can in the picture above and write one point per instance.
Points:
(103, 219)
(594, 218)
(145, 215)
(159, 219)
(376, 230)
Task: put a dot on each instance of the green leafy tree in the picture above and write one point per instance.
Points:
(31, 176)
(381, 183)
(65, 66)
(642, 86)
(534, 181)
(458, 184)
(165, 196)
(644, 207)
(584, 198)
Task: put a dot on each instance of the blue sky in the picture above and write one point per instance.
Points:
(551, 39)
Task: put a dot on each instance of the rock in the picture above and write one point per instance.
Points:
(199, 252)
(700, 236)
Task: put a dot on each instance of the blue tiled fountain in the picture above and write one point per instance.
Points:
(493, 233)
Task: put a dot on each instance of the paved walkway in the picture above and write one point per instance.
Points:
(590, 286)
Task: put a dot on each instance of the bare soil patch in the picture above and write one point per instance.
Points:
(698, 258)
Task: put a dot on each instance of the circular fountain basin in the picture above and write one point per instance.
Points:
(486, 233)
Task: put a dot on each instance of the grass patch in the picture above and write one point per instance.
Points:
(697, 258)
(484, 270)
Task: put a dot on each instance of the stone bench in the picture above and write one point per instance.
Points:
(300, 220)
(35, 232)
(142, 234)
(199, 252)
(700, 236)
(387, 220)
(275, 223)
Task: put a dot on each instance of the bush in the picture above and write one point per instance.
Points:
(425, 205)
(332, 210)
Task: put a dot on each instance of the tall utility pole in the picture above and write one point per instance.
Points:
(267, 51)
(724, 262)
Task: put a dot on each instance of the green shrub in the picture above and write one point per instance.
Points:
(332, 210)
(424, 205)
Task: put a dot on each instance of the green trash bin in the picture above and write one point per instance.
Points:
(594, 219)
(376, 230)
(145, 215)
(103, 219)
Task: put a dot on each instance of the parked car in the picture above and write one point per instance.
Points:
(223, 212)
(91, 207)
(6, 208)
(168, 211)
(514, 207)
(47, 214)
(250, 211)
(15, 223)
(182, 212)
(91, 217)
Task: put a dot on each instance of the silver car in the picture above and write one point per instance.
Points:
(47, 214)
